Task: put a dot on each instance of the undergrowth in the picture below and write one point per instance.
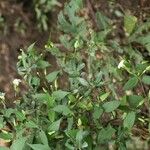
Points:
(105, 104)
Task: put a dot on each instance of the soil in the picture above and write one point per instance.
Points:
(13, 39)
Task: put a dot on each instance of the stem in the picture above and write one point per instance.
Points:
(143, 89)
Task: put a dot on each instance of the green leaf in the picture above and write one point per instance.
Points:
(131, 83)
(59, 95)
(52, 76)
(62, 109)
(2, 122)
(55, 126)
(111, 106)
(6, 136)
(43, 64)
(39, 147)
(8, 112)
(30, 48)
(20, 115)
(129, 120)
(83, 82)
(97, 112)
(69, 145)
(135, 100)
(51, 115)
(146, 79)
(145, 41)
(79, 138)
(42, 97)
(141, 68)
(103, 21)
(43, 137)
(50, 102)
(106, 134)
(104, 96)
(35, 81)
(31, 124)
(129, 23)
(4, 148)
(18, 144)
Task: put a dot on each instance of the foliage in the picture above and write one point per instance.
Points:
(101, 106)
(42, 9)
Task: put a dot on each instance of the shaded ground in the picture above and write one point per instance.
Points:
(20, 30)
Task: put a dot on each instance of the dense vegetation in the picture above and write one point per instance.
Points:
(97, 98)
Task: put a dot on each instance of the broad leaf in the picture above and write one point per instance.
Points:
(20, 115)
(83, 82)
(31, 124)
(135, 100)
(62, 109)
(129, 23)
(106, 134)
(59, 95)
(18, 144)
(111, 106)
(146, 79)
(104, 96)
(97, 112)
(52, 76)
(131, 83)
(42, 97)
(55, 126)
(42, 64)
(43, 137)
(103, 21)
(39, 147)
(129, 120)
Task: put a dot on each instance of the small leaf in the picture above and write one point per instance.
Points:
(31, 124)
(146, 79)
(79, 137)
(83, 82)
(8, 112)
(51, 115)
(129, 120)
(131, 83)
(59, 95)
(52, 76)
(106, 134)
(135, 100)
(55, 126)
(43, 137)
(35, 81)
(42, 97)
(30, 48)
(6, 136)
(104, 96)
(129, 23)
(97, 112)
(62, 109)
(20, 116)
(43, 64)
(111, 106)
(103, 21)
